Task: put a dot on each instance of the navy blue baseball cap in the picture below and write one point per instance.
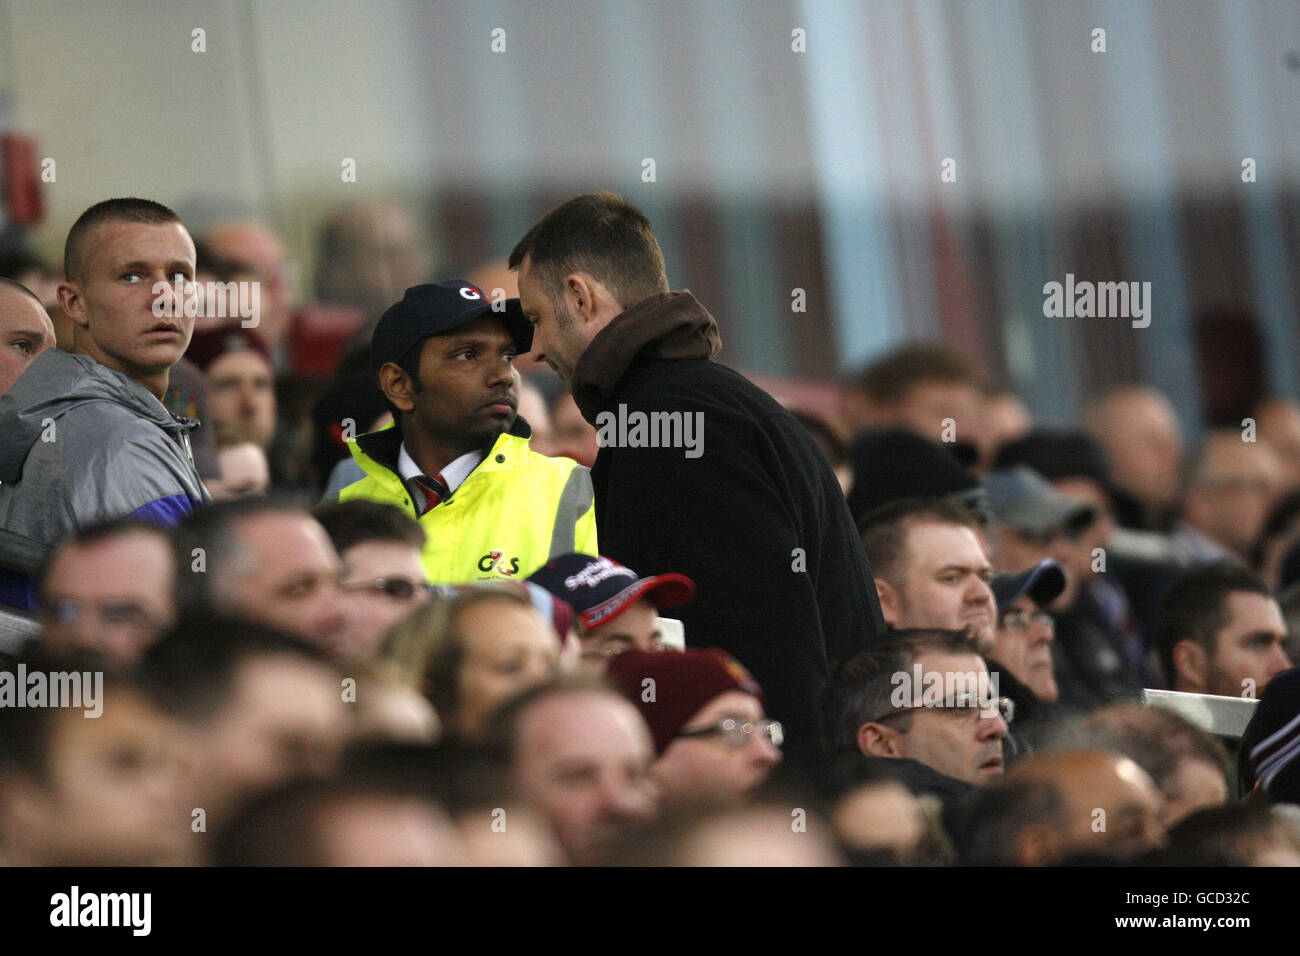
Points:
(436, 308)
(600, 589)
(1044, 583)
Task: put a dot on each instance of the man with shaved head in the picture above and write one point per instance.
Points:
(1138, 430)
(84, 436)
(25, 331)
(1054, 806)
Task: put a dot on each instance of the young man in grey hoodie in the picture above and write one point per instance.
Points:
(84, 436)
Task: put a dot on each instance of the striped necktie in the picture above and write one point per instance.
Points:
(435, 490)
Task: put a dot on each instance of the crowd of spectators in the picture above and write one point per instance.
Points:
(508, 570)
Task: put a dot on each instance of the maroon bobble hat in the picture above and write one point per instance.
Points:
(684, 682)
(208, 345)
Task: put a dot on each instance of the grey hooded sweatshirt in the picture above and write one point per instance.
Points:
(81, 443)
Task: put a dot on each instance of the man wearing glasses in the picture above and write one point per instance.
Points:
(383, 573)
(91, 604)
(1023, 645)
(712, 742)
(921, 704)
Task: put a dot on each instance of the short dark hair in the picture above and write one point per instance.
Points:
(986, 826)
(191, 671)
(1195, 608)
(884, 530)
(284, 827)
(889, 379)
(861, 685)
(1227, 835)
(94, 534)
(214, 530)
(110, 210)
(350, 523)
(18, 286)
(600, 234)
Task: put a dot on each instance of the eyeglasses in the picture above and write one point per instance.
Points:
(965, 706)
(736, 733)
(1018, 620)
(111, 613)
(399, 589)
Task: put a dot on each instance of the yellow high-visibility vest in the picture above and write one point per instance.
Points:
(514, 512)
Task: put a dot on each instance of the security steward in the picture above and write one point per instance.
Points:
(456, 456)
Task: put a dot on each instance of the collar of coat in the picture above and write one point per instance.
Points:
(669, 325)
(384, 446)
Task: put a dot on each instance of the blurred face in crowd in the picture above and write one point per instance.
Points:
(929, 403)
(116, 791)
(1083, 546)
(757, 836)
(112, 597)
(508, 648)
(636, 629)
(385, 582)
(1024, 646)
(943, 582)
(532, 409)
(1278, 420)
(1194, 785)
(25, 332)
(584, 759)
(253, 250)
(558, 339)
(241, 395)
(1139, 431)
(1016, 550)
(573, 435)
(964, 743)
(880, 816)
(1232, 491)
(528, 841)
(244, 473)
(379, 253)
(1247, 650)
(716, 768)
(1004, 418)
(388, 830)
(112, 303)
(284, 719)
(287, 576)
(1112, 808)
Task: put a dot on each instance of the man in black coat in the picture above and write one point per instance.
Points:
(700, 472)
